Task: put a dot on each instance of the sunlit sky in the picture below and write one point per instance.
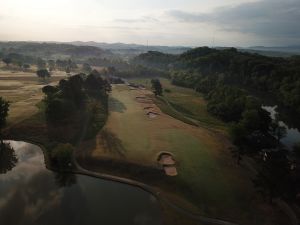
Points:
(160, 22)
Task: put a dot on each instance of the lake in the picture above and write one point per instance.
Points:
(30, 194)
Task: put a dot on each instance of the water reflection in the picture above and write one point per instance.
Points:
(65, 179)
(33, 195)
(8, 158)
(293, 134)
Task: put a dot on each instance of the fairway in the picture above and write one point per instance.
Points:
(207, 174)
(23, 90)
(187, 102)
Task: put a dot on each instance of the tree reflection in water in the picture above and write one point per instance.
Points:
(65, 179)
(8, 158)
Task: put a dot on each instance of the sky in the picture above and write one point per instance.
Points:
(238, 23)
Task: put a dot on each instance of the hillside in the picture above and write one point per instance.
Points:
(53, 50)
(204, 68)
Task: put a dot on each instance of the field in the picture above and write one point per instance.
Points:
(208, 177)
(23, 90)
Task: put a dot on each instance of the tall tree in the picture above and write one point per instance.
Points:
(7, 61)
(41, 64)
(156, 87)
(278, 131)
(51, 65)
(86, 68)
(43, 73)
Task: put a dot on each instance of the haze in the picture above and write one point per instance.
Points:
(168, 22)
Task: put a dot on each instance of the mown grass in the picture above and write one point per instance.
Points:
(187, 102)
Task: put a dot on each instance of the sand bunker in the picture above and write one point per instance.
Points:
(148, 107)
(168, 163)
(152, 114)
(170, 170)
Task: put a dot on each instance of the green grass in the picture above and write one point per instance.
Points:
(168, 109)
(204, 179)
(187, 102)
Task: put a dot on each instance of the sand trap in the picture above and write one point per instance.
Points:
(170, 171)
(166, 159)
(152, 114)
(145, 101)
(148, 107)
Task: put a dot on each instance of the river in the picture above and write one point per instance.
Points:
(30, 194)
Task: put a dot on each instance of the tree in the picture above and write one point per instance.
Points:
(4, 107)
(278, 131)
(41, 64)
(26, 66)
(156, 87)
(61, 155)
(68, 70)
(8, 158)
(7, 61)
(51, 65)
(86, 68)
(111, 70)
(296, 149)
(43, 73)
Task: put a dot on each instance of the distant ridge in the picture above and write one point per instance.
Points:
(133, 47)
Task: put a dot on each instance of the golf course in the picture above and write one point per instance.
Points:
(208, 180)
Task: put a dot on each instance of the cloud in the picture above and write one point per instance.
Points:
(267, 18)
(143, 19)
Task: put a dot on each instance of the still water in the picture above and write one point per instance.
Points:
(32, 195)
(293, 134)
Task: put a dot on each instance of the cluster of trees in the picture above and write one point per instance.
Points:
(155, 59)
(23, 62)
(67, 65)
(73, 95)
(53, 50)
(77, 107)
(141, 71)
(20, 61)
(202, 68)
(108, 62)
(8, 157)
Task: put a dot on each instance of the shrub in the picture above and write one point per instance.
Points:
(61, 155)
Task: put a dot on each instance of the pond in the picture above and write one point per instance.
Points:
(293, 133)
(32, 195)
